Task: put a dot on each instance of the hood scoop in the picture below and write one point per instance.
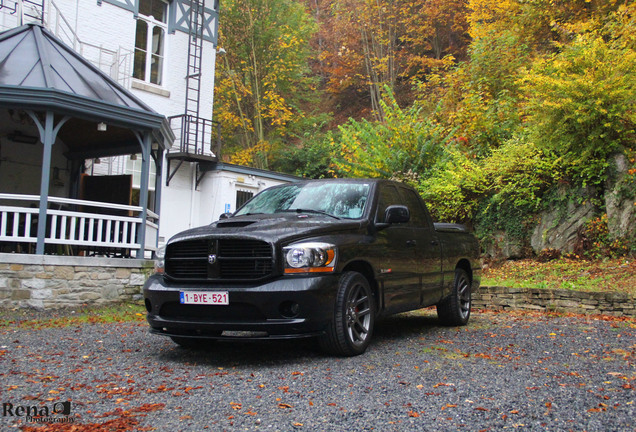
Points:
(234, 224)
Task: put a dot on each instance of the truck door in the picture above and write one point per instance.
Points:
(428, 253)
(396, 257)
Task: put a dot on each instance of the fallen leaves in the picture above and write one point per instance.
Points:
(125, 420)
(581, 275)
(600, 408)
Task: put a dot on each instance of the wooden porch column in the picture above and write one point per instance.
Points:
(146, 144)
(48, 133)
(158, 157)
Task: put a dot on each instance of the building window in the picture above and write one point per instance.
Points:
(150, 41)
(134, 167)
(242, 197)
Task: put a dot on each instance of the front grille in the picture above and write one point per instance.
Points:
(187, 259)
(223, 259)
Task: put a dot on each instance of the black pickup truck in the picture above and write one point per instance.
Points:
(318, 258)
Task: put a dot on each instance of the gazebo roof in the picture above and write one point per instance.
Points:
(39, 72)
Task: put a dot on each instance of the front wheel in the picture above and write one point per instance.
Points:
(455, 309)
(349, 333)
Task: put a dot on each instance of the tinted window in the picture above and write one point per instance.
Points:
(344, 200)
(388, 196)
(415, 206)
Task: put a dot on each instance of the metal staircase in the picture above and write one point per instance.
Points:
(193, 77)
(33, 11)
(25, 11)
(192, 131)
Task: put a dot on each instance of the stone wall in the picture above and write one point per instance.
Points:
(545, 300)
(50, 282)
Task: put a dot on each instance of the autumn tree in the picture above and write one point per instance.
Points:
(368, 45)
(405, 145)
(262, 79)
(434, 29)
(581, 101)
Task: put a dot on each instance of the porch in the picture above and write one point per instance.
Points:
(76, 227)
(58, 114)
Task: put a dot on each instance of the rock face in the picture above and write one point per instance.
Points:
(620, 200)
(559, 229)
(503, 247)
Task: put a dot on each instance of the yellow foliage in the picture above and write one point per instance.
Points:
(253, 156)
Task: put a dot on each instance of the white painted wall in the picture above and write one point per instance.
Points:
(113, 29)
(184, 208)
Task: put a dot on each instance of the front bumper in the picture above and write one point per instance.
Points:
(288, 307)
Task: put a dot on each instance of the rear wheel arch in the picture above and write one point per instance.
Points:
(464, 264)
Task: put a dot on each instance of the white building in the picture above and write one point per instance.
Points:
(163, 53)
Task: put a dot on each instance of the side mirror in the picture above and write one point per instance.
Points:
(394, 214)
(225, 216)
(397, 214)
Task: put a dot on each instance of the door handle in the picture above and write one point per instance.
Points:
(434, 242)
(411, 242)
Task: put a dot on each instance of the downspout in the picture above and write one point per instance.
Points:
(192, 191)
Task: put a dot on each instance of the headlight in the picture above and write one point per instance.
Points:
(160, 259)
(310, 257)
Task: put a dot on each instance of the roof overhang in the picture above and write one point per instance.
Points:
(63, 103)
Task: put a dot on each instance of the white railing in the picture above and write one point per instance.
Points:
(117, 63)
(98, 228)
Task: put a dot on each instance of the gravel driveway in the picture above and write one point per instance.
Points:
(504, 370)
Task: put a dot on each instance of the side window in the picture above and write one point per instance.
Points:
(415, 206)
(388, 196)
(150, 38)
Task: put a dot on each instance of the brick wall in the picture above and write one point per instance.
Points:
(581, 302)
(50, 282)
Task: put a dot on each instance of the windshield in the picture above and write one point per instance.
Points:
(342, 200)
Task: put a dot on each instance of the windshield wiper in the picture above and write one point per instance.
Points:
(322, 212)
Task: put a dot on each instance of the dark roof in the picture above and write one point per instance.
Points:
(39, 72)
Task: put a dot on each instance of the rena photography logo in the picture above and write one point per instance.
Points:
(58, 412)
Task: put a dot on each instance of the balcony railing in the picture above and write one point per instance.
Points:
(195, 135)
(79, 226)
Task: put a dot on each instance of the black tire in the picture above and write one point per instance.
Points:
(349, 334)
(454, 310)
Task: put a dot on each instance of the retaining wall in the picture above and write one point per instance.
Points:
(559, 300)
(50, 282)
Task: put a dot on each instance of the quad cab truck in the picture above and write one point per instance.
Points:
(318, 258)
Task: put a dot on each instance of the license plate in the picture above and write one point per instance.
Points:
(205, 297)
